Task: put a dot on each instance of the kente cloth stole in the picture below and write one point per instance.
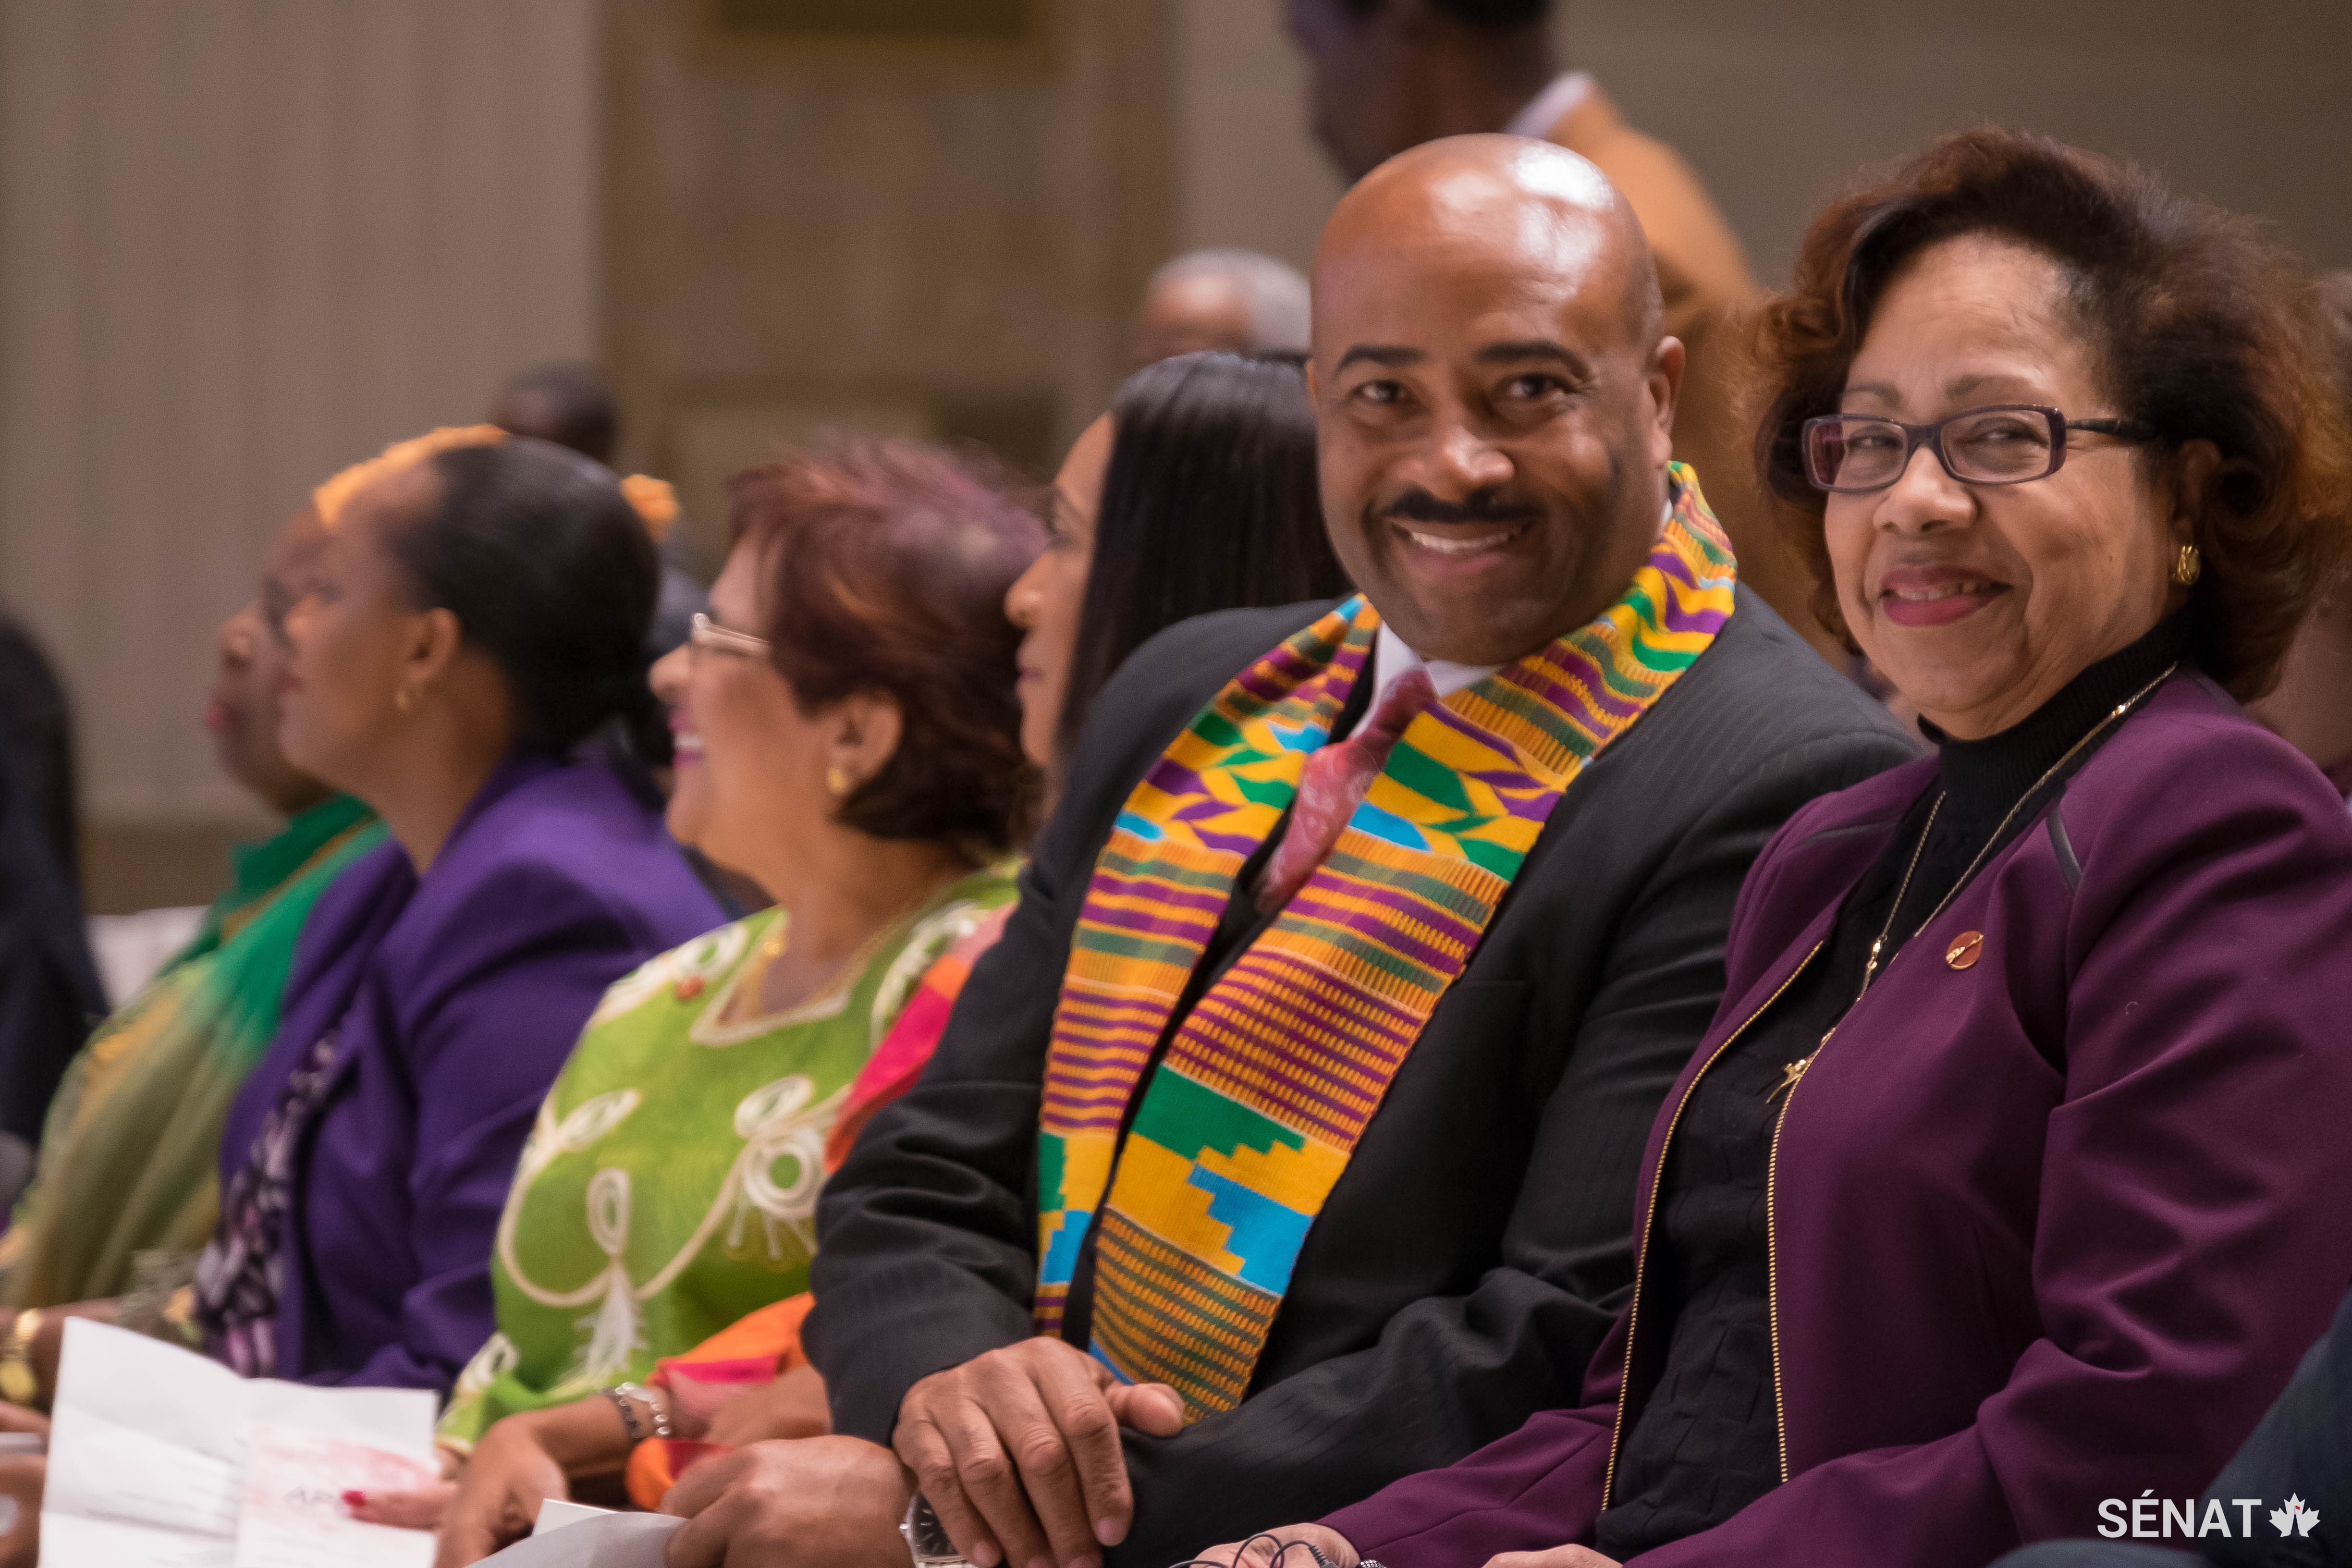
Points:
(1255, 1107)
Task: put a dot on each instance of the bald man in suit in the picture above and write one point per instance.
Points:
(1386, 75)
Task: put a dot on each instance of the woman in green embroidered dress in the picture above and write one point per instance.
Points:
(849, 737)
(1196, 493)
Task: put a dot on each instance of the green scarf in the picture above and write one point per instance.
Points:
(129, 1156)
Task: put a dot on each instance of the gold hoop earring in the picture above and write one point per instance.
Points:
(2188, 566)
(837, 780)
(404, 699)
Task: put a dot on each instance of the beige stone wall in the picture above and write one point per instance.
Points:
(1778, 103)
(242, 243)
(909, 241)
(1247, 171)
(2249, 103)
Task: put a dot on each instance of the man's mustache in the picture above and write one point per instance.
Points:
(1480, 506)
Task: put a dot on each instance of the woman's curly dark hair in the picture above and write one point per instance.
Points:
(886, 564)
(2201, 324)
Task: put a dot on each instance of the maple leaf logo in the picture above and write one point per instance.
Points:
(2295, 1519)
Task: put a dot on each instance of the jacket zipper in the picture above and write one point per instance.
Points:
(1772, 1250)
(1649, 1217)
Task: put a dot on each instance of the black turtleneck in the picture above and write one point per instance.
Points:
(1707, 1442)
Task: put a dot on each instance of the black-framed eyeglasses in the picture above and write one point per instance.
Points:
(2004, 444)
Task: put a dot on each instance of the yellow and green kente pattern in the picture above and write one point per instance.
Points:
(1257, 1103)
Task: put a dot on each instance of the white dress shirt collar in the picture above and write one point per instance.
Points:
(1391, 658)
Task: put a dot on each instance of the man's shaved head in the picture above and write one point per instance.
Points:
(1539, 204)
(1494, 395)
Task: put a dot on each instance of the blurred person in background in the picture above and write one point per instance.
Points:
(127, 1193)
(36, 726)
(1237, 301)
(1385, 74)
(2311, 709)
(568, 403)
(565, 402)
(51, 990)
(849, 738)
(50, 995)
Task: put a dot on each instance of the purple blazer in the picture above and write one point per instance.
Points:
(454, 1000)
(2048, 1229)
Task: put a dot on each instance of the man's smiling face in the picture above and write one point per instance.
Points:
(1493, 402)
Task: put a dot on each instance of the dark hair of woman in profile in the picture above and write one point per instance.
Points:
(2198, 322)
(551, 575)
(1209, 502)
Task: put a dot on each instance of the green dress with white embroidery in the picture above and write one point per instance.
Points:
(670, 1186)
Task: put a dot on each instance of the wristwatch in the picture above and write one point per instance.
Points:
(927, 1539)
(18, 1385)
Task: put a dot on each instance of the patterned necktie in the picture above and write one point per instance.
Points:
(1335, 782)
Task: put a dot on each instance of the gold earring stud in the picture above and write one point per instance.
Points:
(2188, 566)
(836, 779)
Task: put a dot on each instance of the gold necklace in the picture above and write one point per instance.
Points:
(1796, 1070)
(754, 987)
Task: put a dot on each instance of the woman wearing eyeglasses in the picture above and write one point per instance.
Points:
(849, 737)
(2011, 1176)
(1202, 498)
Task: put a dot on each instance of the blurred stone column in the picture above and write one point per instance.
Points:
(876, 223)
(242, 243)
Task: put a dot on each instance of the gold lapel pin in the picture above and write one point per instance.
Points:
(1966, 949)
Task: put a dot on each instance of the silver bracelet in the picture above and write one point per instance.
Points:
(620, 1398)
(628, 1391)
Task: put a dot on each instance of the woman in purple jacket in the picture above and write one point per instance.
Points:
(480, 608)
(2010, 1178)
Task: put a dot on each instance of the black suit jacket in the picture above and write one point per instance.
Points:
(1476, 1249)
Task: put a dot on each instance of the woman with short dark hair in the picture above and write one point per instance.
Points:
(2007, 1181)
